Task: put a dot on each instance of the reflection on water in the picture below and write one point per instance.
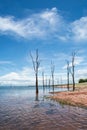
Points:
(20, 109)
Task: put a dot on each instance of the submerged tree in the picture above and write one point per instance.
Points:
(43, 81)
(73, 69)
(36, 64)
(52, 74)
(49, 84)
(68, 69)
(46, 81)
(61, 82)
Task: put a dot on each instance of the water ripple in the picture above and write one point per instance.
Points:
(27, 114)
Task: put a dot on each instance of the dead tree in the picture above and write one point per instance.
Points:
(58, 82)
(49, 84)
(43, 81)
(68, 70)
(46, 81)
(52, 74)
(73, 69)
(61, 82)
(36, 64)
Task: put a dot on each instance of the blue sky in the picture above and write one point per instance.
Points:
(55, 27)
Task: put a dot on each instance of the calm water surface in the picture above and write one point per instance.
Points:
(20, 109)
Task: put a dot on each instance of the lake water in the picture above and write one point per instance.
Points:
(20, 109)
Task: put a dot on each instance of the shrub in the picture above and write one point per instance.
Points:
(82, 80)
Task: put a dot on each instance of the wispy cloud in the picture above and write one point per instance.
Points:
(79, 29)
(78, 61)
(22, 77)
(81, 73)
(36, 25)
(45, 24)
(6, 62)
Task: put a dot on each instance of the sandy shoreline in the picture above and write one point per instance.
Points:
(76, 98)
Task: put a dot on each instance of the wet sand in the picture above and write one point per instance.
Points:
(76, 98)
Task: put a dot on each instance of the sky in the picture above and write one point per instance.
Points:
(57, 28)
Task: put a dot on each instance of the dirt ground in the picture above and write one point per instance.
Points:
(76, 98)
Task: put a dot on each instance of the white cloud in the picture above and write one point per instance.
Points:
(8, 25)
(52, 18)
(79, 29)
(22, 77)
(81, 73)
(78, 61)
(6, 62)
(36, 25)
(45, 24)
(11, 76)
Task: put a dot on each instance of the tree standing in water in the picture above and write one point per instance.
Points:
(49, 84)
(52, 74)
(68, 69)
(73, 69)
(36, 64)
(43, 81)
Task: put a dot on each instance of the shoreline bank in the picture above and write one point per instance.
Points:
(76, 98)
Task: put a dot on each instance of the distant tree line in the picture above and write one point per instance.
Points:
(82, 80)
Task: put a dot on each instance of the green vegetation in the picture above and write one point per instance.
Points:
(82, 80)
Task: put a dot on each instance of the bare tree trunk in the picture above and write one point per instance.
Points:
(68, 81)
(36, 64)
(53, 82)
(43, 81)
(49, 84)
(36, 83)
(68, 75)
(58, 82)
(46, 81)
(61, 82)
(73, 77)
(52, 74)
(73, 71)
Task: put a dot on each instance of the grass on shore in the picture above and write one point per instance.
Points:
(76, 98)
(77, 85)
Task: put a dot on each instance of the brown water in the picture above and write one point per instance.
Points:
(19, 110)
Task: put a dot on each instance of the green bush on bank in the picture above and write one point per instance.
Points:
(82, 80)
